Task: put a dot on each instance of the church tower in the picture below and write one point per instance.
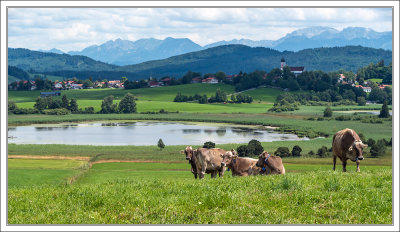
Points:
(283, 63)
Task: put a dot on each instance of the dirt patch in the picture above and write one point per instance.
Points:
(132, 161)
(83, 158)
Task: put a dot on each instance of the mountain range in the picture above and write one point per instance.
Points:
(230, 59)
(125, 52)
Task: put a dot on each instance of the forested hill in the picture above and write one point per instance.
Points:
(230, 59)
(47, 62)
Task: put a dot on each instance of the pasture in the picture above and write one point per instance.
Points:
(77, 184)
(166, 193)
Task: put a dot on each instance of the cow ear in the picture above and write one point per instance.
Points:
(182, 151)
(365, 145)
(351, 148)
(222, 155)
(235, 156)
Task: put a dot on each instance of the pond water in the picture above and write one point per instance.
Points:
(141, 133)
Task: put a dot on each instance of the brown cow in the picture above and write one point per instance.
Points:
(191, 156)
(346, 145)
(208, 161)
(239, 166)
(270, 164)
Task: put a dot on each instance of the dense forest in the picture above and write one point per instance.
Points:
(230, 59)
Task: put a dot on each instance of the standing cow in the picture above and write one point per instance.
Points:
(346, 145)
(239, 166)
(270, 164)
(203, 160)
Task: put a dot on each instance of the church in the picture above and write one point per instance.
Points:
(295, 70)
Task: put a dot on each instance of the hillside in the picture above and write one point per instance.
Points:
(230, 59)
(47, 62)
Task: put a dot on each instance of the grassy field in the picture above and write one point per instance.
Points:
(149, 193)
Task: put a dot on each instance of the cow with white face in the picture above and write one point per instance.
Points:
(346, 144)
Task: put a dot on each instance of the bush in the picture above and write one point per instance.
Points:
(282, 152)
(328, 112)
(209, 145)
(11, 106)
(59, 111)
(370, 142)
(379, 148)
(160, 144)
(296, 150)
(127, 105)
(254, 148)
(343, 118)
(242, 151)
(311, 153)
(323, 152)
(26, 111)
(87, 110)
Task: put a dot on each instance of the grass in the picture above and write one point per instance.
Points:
(31, 172)
(140, 194)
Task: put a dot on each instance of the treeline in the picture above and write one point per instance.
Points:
(376, 71)
(63, 105)
(18, 73)
(219, 97)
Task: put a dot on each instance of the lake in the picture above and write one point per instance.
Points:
(142, 133)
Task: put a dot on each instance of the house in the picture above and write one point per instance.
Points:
(210, 80)
(58, 85)
(152, 84)
(383, 86)
(114, 83)
(366, 89)
(76, 86)
(196, 80)
(48, 94)
(165, 81)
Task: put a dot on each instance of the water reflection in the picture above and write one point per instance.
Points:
(141, 133)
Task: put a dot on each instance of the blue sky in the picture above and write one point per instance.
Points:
(72, 29)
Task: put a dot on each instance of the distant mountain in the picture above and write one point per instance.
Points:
(124, 52)
(46, 62)
(230, 59)
(53, 50)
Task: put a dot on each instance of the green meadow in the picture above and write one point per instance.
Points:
(146, 185)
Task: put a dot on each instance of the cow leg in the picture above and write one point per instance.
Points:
(344, 163)
(334, 162)
(200, 173)
(214, 174)
(358, 165)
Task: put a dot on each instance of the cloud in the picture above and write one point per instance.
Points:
(75, 28)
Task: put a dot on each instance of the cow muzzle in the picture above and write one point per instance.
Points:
(257, 165)
(223, 164)
(360, 158)
(188, 158)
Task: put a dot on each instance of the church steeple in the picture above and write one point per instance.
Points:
(283, 63)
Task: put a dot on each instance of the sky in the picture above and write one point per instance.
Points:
(73, 29)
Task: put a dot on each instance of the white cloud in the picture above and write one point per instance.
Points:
(75, 28)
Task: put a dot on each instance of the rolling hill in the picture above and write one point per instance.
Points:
(230, 59)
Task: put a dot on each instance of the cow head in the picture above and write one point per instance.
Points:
(261, 159)
(228, 157)
(188, 152)
(356, 151)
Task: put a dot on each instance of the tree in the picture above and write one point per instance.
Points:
(41, 104)
(254, 148)
(282, 152)
(384, 111)
(328, 112)
(73, 105)
(322, 152)
(11, 106)
(107, 106)
(209, 145)
(378, 149)
(64, 102)
(311, 153)
(203, 99)
(127, 105)
(296, 150)
(242, 151)
(233, 98)
(361, 101)
(160, 144)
